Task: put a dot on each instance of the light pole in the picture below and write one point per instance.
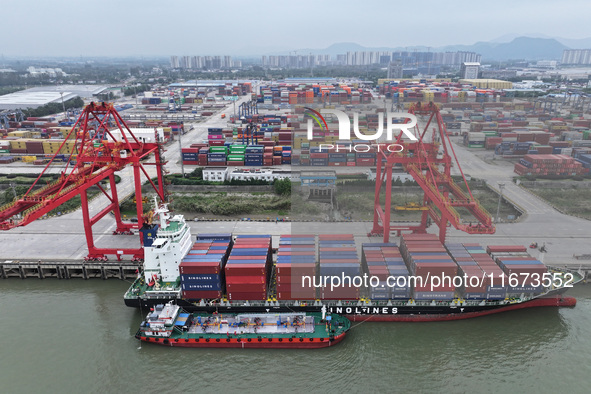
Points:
(501, 187)
(64, 106)
(181, 148)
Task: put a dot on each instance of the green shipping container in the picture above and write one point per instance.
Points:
(218, 149)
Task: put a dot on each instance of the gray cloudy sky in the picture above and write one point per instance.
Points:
(185, 27)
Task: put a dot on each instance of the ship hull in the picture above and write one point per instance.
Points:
(408, 313)
(239, 343)
(458, 314)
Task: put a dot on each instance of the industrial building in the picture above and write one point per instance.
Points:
(142, 134)
(576, 56)
(263, 174)
(487, 83)
(469, 70)
(39, 96)
(215, 174)
(221, 174)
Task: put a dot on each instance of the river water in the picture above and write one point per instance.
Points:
(77, 337)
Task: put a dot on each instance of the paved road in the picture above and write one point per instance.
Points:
(564, 235)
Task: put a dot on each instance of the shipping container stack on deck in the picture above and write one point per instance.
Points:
(248, 268)
(338, 257)
(296, 258)
(518, 264)
(477, 266)
(202, 270)
(426, 257)
(382, 260)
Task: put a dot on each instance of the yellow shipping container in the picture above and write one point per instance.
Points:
(20, 133)
(18, 144)
(29, 159)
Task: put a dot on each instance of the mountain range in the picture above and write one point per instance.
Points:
(510, 46)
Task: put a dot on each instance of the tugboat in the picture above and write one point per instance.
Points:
(170, 325)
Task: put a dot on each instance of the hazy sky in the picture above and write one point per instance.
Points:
(194, 27)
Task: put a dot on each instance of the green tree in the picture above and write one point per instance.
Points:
(8, 195)
(282, 187)
(54, 108)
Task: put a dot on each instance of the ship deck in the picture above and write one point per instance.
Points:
(311, 326)
(266, 324)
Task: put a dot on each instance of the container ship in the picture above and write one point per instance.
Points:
(221, 273)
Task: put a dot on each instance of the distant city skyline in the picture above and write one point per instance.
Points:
(237, 28)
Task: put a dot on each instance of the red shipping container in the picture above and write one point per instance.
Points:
(244, 269)
(298, 277)
(297, 295)
(254, 245)
(240, 279)
(257, 295)
(335, 237)
(284, 269)
(505, 248)
(245, 287)
(199, 268)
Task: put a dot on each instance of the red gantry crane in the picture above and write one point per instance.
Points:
(429, 162)
(105, 145)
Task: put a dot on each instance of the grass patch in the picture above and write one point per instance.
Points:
(304, 209)
(221, 204)
(360, 206)
(574, 202)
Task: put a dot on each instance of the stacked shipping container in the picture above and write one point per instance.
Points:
(201, 271)
(549, 165)
(426, 257)
(248, 268)
(296, 259)
(519, 266)
(476, 266)
(338, 257)
(384, 260)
